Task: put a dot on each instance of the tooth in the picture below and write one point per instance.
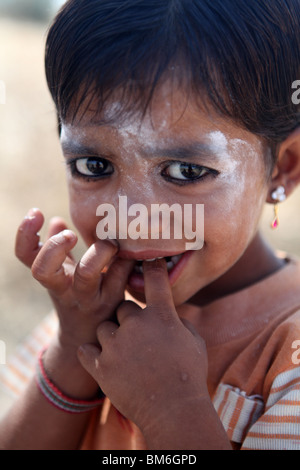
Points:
(138, 269)
(170, 265)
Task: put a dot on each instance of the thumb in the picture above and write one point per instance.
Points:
(88, 356)
(189, 326)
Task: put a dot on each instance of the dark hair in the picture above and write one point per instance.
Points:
(242, 55)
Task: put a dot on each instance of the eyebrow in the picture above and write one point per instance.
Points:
(74, 148)
(189, 151)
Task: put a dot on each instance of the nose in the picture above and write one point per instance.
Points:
(152, 225)
(132, 204)
(124, 220)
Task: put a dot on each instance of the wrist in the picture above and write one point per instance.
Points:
(57, 398)
(65, 371)
(191, 424)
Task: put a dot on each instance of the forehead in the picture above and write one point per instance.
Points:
(171, 118)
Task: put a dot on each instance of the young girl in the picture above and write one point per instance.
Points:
(174, 101)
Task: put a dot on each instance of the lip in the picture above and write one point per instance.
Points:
(136, 281)
(143, 255)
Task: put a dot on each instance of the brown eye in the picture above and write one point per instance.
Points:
(93, 166)
(185, 171)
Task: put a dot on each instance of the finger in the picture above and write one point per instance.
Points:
(127, 309)
(48, 267)
(27, 243)
(115, 281)
(157, 286)
(106, 331)
(89, 355)
(88, 273)
(56, 225)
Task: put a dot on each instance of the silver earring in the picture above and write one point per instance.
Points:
(278, 196)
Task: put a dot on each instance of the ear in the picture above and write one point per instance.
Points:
(287, 169)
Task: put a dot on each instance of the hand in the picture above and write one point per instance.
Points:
(82, 294)
(150, 364)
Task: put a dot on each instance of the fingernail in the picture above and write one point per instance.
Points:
(31, 214)
(65, 235)
(154, 261)
(68, 234)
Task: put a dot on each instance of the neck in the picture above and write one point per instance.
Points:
(257, 262)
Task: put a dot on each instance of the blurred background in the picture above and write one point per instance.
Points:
(35, 10)
(32, 169)
(31, 166)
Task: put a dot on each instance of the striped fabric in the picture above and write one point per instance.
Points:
(236, 411)
(258, 426)
(20, 367)
(279, 427)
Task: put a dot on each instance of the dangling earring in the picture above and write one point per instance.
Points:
(278, 196)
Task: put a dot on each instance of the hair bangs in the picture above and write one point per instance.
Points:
(235, 56)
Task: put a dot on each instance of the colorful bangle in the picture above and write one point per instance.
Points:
(57, 398)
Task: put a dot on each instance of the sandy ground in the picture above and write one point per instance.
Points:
(32, 175)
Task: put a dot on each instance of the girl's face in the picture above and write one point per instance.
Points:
(177, 154)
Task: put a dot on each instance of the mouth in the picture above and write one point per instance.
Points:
(175, 266)
(171, 261)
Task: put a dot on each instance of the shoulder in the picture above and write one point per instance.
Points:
(278, 427)
(263, 412)
(283, 350)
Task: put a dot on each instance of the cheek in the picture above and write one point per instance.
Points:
(231, 222)
(232, 217)
(243, 193)
(83, 214)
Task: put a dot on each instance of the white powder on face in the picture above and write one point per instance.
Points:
(231, 149)
(232, 153)
(136, 135)
(234, 169)
(72, 134)
(142, 133)
(218, 140)
(219, 146)
(137, 129)
(133, 137)
(238, 157)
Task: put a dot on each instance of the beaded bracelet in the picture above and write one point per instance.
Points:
(57, 398)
